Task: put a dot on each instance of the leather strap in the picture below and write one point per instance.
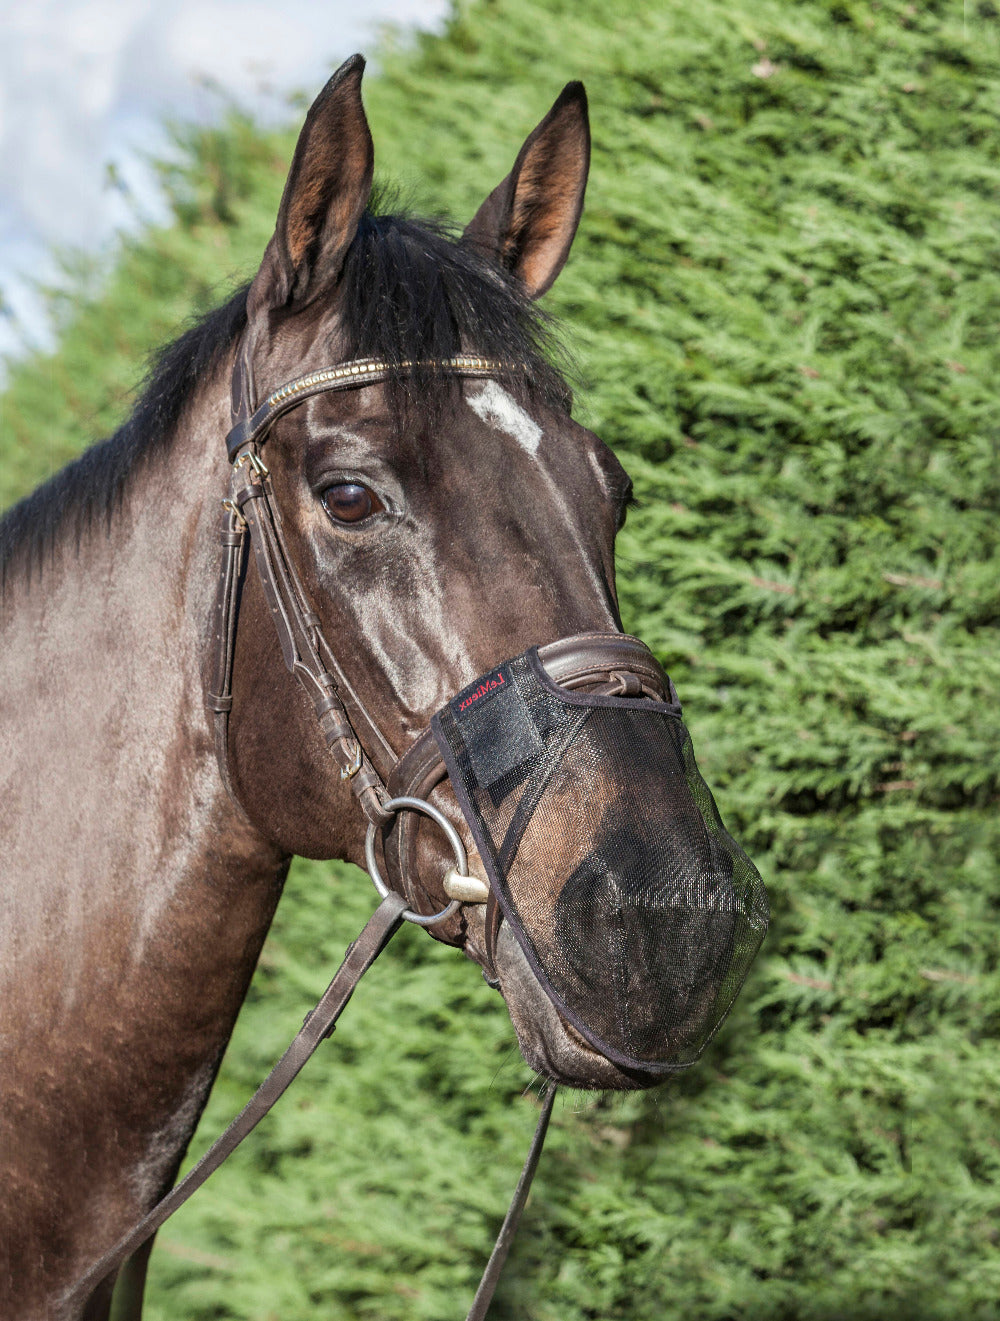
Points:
(604, 662)
(318, 1025)
(220, 695)
(251, 428)
(487, 1285)
(303, 647)
(494, 916)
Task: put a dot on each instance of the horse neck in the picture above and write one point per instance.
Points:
(136, 894)
(103, 676)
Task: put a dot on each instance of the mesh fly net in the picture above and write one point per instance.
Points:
(638, 912)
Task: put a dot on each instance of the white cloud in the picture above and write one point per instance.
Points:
(84, 83)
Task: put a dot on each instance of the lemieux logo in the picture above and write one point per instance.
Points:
(481, 689)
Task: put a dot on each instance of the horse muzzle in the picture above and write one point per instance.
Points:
(636, 911)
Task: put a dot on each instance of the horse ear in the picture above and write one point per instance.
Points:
(326, 192)
(528, 222)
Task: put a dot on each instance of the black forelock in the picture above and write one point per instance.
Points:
(410, 292)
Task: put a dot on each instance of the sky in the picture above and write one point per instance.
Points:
(85, 86)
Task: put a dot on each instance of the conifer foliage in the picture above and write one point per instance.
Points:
(783, 302)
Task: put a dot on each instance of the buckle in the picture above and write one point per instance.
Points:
(256, 463)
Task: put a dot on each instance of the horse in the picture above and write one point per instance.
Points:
(436, 515)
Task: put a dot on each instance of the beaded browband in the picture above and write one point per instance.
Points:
(348, 376)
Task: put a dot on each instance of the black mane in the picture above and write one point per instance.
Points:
(87, 491)
(410, 293)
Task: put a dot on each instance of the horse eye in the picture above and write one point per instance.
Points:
(350, 502)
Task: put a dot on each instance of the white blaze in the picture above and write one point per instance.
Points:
(497, 408)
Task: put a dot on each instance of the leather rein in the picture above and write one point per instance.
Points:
(602, 662)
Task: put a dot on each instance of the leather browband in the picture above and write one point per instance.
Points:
(251, 428)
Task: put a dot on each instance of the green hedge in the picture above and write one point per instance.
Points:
(785, 300)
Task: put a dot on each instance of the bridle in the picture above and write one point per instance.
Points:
(389, 788)
(250, 508)
(609, 663)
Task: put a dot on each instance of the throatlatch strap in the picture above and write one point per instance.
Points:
(232, 537)
(361, 954)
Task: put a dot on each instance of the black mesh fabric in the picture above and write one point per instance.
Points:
(637, 910)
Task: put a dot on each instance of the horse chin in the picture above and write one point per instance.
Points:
(550, 1045)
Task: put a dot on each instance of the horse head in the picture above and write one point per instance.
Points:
(441, 515)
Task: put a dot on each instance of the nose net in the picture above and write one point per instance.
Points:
(636, 909)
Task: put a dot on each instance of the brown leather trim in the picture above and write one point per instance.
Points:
(591, 658)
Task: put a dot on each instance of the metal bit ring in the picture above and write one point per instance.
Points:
(453, 837)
